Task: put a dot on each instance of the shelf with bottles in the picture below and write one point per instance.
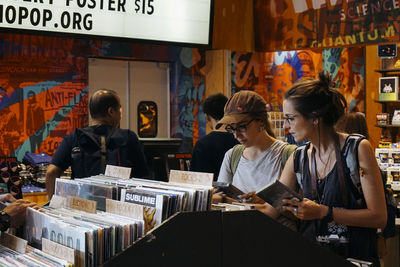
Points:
(389, 162)
(389, 123)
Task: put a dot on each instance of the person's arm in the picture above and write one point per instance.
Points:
(226, 176)
(60, 162)
(225, 173)
(14, 214)
(288, 177)
(374, 216)
(52, 173)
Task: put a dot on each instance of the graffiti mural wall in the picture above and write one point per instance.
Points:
(187, 96)
(271, 74)
(43, 91)
(44, 86)
(296, 24)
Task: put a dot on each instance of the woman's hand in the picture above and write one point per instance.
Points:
(251, 198)
(7, 198)
(217, 198)
(305, 209)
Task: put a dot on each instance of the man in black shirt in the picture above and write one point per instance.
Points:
(209, 151)
(90, 149)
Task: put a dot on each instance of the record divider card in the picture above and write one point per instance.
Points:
(60, 251)
(124, 209)
(13, 242)
(82, 204)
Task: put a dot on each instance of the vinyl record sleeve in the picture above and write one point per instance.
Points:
(275, 192)
(229, 189)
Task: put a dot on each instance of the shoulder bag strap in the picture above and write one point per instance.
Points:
(235, 157)
(314, 175)
(287, 151)
(103, 153)
(351, 153)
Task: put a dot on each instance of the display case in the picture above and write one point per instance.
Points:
(389, 105)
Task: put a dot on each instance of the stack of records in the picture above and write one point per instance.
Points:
(160, 200)
(81, 188)
(96, 237)
(33, 257)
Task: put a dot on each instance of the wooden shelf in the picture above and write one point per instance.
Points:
(387, 70)
(387, 126)
(386, 101)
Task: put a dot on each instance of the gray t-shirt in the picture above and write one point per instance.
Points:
(255, 174)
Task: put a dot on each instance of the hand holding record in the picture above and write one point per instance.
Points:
(305, 209)
(275, 194)
(251, 198)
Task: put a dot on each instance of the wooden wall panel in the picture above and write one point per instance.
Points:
(217, 76)
(371, 93)
(233, 25)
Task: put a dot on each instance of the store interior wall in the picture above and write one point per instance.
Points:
(49, 76)
(134, 81)
(372, 93)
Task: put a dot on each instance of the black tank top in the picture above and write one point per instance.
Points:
(361, 241)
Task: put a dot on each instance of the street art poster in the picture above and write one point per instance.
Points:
(187, 95)
(271, 74)
(43, 92)
(295, 24)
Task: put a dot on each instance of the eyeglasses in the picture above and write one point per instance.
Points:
(241, 127)
(290, 119)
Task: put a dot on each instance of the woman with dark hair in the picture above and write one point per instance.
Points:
(334, 211)
(209, 150)
(353, 122)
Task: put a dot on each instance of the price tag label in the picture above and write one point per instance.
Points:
(117, 171)
(186, 177)
(82, 204)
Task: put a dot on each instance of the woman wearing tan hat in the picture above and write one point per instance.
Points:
(260, 157)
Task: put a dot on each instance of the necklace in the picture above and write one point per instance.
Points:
(327, 163)
(314, 175)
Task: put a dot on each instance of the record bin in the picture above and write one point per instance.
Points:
(226, 239)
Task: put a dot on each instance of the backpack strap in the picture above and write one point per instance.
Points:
(235, 157)
(351, 155)
(299, 162)
(103, 150)
(287, 151)
(238, 151)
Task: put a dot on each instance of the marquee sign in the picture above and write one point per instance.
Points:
(181, 21)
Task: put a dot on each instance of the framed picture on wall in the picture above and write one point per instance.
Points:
(147, 119)
(389, 88)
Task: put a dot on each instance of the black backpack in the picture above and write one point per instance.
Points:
(93, 151)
